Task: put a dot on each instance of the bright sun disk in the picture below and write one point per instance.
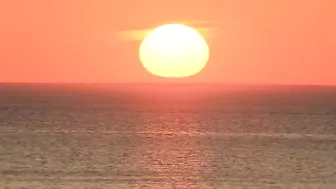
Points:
(174, 50)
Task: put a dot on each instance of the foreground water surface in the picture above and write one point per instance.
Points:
(169, 136)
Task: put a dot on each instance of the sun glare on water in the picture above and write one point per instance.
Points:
(174, 50)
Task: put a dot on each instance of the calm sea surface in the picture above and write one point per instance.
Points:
(168, 136)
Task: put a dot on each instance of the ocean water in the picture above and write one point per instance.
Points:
(167, 136)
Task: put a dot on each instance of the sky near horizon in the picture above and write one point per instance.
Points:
(260, 41)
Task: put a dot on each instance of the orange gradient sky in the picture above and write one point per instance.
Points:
(260, 41)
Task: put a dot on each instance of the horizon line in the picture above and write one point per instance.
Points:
(165, 83)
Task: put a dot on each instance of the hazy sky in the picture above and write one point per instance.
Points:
(259, 41)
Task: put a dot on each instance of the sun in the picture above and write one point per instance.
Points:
(174, 50)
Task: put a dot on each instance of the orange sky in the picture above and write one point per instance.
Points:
(259, 41)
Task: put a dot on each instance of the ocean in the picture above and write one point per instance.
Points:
(167, 136)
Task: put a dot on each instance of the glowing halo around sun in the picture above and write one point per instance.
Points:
(174, 50)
